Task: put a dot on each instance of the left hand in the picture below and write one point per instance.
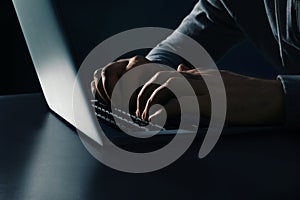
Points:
(250, 101)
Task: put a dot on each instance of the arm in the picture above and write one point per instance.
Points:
(210, 25)
(250, 100)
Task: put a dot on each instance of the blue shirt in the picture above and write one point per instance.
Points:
(272, 25)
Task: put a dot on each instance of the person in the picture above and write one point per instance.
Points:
(272, 25)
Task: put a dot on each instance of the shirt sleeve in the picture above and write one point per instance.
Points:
(291, 87)
(210, 24)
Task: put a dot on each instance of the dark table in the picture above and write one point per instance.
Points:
(43, 158)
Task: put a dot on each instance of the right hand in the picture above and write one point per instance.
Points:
(106, 78)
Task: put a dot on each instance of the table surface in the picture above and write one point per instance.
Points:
(43, 158)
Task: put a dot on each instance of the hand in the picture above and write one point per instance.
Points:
(250, 101)
(105, 79)
(151, 94)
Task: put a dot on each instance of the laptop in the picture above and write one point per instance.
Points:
(57, 72)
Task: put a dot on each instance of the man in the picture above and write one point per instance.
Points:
(272, 25)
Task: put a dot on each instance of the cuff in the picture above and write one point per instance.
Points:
(291, 87)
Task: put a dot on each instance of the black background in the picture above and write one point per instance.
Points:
(17, 73)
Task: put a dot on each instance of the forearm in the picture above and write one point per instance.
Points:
(216, 33)
(257, 102)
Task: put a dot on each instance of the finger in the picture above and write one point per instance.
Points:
(149, 87)
(97, 75)
(160, 96)
(110, 75)
(132, 82)
(143, 95)
(100, 93)
(97, 87)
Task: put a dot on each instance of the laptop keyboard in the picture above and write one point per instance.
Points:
(124, 120)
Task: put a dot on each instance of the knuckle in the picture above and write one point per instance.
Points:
(149, 101)
(157, 74)
(97, 73)
(173, 81)
(170, 80)
(137, 58)
(110, 64)
(155, 77)
(105, 70)
(161, 74)
(108, 68)
(168, 83)
(93, 85)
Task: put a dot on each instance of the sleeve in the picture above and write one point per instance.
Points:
(210, 24)
(291, 87)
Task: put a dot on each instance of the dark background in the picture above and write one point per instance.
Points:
(83, 19)
(17, 74)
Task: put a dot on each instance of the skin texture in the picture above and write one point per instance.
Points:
(250, 101)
